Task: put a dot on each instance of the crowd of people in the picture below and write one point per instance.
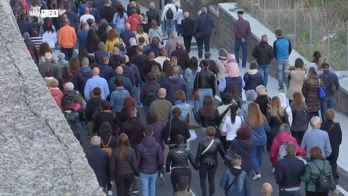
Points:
(125, 81)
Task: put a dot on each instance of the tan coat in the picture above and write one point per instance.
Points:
(296, 82)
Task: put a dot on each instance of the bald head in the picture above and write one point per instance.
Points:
(86, 10)
(264, 38)
(119, 70)
(85, 62)
(267, 189)
(162, 93)
(95, 71)
(115, 50)
(127, 26)
(95, 141)
(174, 34)
(152, 5)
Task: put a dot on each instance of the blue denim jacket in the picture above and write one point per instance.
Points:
(117, 98)
(241, 186)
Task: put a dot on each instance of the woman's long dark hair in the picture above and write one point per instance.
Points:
(105, 131)
(123, 145)
(120, 10)
(208, 108)
(47, 25)
(234, 109)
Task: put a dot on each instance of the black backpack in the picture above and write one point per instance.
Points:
(323, 183)
(300, 120)
(170, 14)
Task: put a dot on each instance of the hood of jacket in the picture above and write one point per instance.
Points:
(284, 137)
(149, 141)
(252, 72)
(86, 71)
(232, 70)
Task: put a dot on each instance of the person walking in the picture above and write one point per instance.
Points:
(335, 137)
(296, 77)
(331, 83)
(99, 161)
(202, 31)
(258, 122)
(169, 16)
(178, 162)
(288, 172)
(206, 160)
(124, 165)
(310, 91)
(281, 50)
(161, 106)
(231, 123)
(67, 39)
(241, 32)
(235, 180)
(187, 31)
(150, 157)
(253, 78)
(316, 169)
(96, 81)
(263, 53)
(316, 137)
(300, 117)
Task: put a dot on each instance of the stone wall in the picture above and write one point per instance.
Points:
(39, 155)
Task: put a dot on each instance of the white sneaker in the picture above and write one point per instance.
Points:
(257, 176)
(110, 193)
(273, 170)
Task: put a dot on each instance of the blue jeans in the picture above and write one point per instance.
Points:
(244, 46)
(256, 158)
(170, 27)
(264, 70)
(203, 92)
(148, 184)
(327, 103)
(289, 193)
(282, 65)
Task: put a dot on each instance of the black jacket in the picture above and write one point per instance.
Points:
(186, 27)
(149, 92)
(179, 157)
(211, 155)
(335, 137)
(153, 14)
(288, 172)
(252, 81)
(242, 148)
(99, 161)
(204, 25)
(134, 129)
(205, 79)
(330, 81)
(177, 127)
(92, 106)
(182, 56)
(263, 53)
(128, 166)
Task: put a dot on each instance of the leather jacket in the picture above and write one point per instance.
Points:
(210, 157)
(205, 79)
(178, 157)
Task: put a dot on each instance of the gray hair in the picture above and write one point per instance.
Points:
(285, 127)
(95, 141)
(250, 95)
(204, 9)
(315, 120)
(186, 14)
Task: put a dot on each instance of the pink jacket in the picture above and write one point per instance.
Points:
(232, 68)
(57, 95)
(281, 138)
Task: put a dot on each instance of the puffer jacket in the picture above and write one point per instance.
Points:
(252, 79)
(179, 157)
(211, 154)
(310, 91)
(312, 173)
(235, 82)
(281, 138)
(82, 76)
(205, 79)
(243, 148)
(150, 156)
(232, 68)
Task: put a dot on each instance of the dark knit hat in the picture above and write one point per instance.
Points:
(240, 12)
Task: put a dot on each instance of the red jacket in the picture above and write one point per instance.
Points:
(283, 137)
(134, 20)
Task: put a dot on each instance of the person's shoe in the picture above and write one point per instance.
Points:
(110, 192)
(281, 90)
(273, 170)
(135, 189)
(257, 176)
(161, 179)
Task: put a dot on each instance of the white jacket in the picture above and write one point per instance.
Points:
(166, 8)
(50, 38)
(229, 128)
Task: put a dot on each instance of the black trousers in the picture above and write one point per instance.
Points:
(310, 193)
(123, 183)
(176, 173)
(187, 42)
(298, 135)
(68, 52)
(205, 171)
(333, 161)
(311, 114)
(203, 40)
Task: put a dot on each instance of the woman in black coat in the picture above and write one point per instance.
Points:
(242, 146)
(335, 136)
(176, 127)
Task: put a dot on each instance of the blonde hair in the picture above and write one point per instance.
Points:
(276, 107)
(255, 117)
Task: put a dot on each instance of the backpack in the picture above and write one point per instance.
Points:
(300, 120)
(106, 147)
(323, 183)
(282, 151)
(170, 14)
(97, 110)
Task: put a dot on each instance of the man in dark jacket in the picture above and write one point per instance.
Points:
(203, 30)
(127, 83)
(331, 83)
(288, 172)
(127, 34)
(263, 53)
(205, 83)
(106, 71)
(173, 84)
(83, 75)
(149, 91)
(150, 157)
(99, 161)
(241, 32)
(181, 55)
(187, 31)
(153, 14)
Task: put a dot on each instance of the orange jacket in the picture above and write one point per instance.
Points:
(66, 37)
